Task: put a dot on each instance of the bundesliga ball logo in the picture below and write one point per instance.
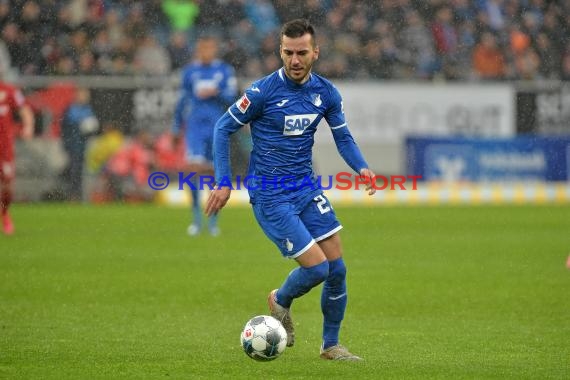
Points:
(263, 338)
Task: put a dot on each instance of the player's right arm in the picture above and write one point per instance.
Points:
(246, 109)
(220, 195)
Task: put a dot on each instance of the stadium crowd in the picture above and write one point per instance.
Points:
(363, 39)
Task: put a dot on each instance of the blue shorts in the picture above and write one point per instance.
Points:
(199, 148)
(294, 228)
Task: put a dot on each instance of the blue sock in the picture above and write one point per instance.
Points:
(196, 209)
(213, 221)
(333, 302)
(300, 281)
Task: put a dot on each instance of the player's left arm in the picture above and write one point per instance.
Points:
(28, 119)
(181, 108)
(345, 144)
(25, 113)
(352, 155)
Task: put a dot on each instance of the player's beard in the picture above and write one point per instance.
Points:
(300, 75)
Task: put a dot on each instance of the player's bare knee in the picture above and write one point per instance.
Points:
(331, 247)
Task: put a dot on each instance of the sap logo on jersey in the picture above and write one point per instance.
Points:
(295, 125)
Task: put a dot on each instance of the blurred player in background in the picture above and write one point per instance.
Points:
(284, 109)
(78, 124)
(11, 101)
(208, 86)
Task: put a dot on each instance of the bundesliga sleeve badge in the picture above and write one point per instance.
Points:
(243, 103)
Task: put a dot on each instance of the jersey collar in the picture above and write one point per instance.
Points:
(291, 83)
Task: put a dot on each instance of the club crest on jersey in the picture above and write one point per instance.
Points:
(243, 103)
(295, 125)
(316, 98)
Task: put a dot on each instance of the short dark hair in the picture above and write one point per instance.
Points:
(298, 28)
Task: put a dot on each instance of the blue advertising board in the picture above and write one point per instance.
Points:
(528, 158)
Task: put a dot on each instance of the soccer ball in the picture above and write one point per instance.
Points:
(263, 338)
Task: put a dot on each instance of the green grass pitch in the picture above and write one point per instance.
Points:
(120, 292)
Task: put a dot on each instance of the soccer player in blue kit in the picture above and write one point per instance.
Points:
(283, 110)
(209, 86)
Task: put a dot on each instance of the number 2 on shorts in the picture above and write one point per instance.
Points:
(322, 204)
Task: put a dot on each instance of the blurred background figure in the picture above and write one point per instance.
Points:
(488, 58)
(151, 58)
(104, 146)
(78, 124)
(12, 102)
(181, 15)
(178, 50)
(209, 86)
(99, 151)
(128, 169)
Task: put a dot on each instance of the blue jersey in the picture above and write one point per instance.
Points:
(283, 116)
(200, 115)
(73, 137)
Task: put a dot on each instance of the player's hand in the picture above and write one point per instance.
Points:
(217, 199)
(369, 176)
(205, 93)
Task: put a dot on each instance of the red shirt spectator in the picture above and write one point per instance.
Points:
(444, 33)
(169, 156)
(134, 159)
(11, 101)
